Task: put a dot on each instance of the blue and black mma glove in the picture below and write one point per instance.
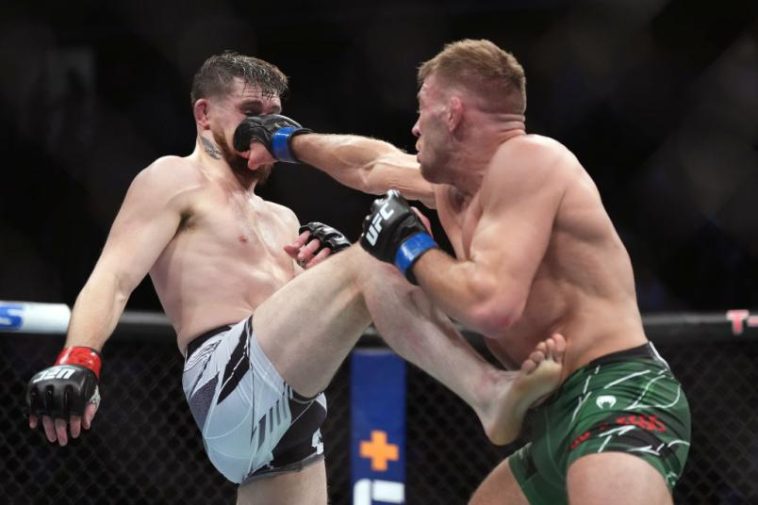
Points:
(274, 131)
(327, 236)
(392, 232)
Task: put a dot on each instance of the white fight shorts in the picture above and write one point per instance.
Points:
(253, 423)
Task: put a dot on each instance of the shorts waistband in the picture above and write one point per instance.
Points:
(196, 342)
(646, 352)
(643, 351)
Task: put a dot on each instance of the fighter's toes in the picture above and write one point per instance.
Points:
(556, 346)
(529, 365)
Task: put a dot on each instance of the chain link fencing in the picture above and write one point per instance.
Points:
(144, 447)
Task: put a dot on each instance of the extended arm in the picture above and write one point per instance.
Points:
(488, 288)
(146, 222)
(362, 163)
(149, 217)
(366, 164)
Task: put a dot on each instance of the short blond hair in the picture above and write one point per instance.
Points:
(483, 68)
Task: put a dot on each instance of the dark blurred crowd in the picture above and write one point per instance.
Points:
(658, 99)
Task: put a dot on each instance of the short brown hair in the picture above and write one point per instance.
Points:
(482, 67)
(217, 74)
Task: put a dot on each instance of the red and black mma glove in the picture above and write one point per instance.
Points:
(392, 232)
(65, 388)
(327, 236)
(274, 131)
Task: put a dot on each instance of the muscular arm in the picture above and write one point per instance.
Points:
(366, 164)
(488, 289)
(146, 222)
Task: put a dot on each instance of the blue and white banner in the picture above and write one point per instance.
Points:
(28, 317)
(377, 412)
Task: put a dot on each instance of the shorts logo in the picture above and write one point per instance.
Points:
(202, 353)
(620, 426)
(646, 422)
(605, 401)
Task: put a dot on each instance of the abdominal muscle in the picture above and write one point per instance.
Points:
(585, 293)
(593, 327)
(206, 279)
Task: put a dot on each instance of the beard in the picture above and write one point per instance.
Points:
(238, 164)
(433, 164)
(435, 155)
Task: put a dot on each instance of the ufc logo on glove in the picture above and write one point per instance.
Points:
(56, 372)
(403, 237)
(372, 234)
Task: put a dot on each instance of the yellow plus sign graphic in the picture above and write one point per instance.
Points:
(379, 451)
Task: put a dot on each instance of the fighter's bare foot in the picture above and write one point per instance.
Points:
(540, 374)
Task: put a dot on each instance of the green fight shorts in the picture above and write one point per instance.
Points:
(627, 401)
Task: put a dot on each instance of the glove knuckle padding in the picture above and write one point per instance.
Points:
(390, 222)
(249, 129)
(61, 391)
(260, 128)
(327, 236)
(392, 232)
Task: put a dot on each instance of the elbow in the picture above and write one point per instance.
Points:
(493, 317)
(367, 182)
(125, 284)
(117, 285)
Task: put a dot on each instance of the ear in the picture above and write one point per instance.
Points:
(454, 113)
(200, 111)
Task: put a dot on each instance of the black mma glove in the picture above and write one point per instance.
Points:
(327, 236)
(66, 388)
(274, 131)
(392, 232)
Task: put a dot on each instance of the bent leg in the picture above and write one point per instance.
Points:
(423, 335)
(307, 486)
(615, 477)
(308, 327)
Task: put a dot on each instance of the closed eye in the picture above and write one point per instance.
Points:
(252, 108)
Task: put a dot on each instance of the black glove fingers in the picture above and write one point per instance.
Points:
(306, 227)
(334, 243)
(59, 392)
(261, 128)
(333, 239)
(248, 129)
(326, 235)
(32, 400)
(66, 403)
(50, 406)
(73, 403)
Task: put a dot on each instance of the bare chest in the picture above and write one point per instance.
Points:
(459, 217)
(237, 227)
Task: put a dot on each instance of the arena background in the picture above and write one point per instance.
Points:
(658, 99)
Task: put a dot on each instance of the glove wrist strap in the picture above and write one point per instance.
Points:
(82, 356)
(280, 144)
(410, 251)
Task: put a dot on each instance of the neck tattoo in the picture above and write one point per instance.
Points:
(211, 148)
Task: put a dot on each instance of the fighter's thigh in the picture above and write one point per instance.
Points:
(306, 487)
(499, 487)
(615, 477)
(310, 324)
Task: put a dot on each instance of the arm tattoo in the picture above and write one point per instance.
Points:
(211, 148)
